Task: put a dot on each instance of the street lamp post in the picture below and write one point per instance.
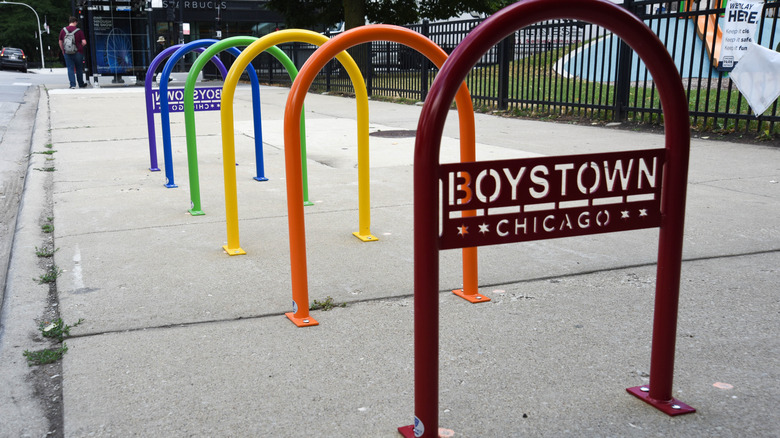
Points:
(38, 21)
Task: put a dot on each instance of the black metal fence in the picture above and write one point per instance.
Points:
(567, 68)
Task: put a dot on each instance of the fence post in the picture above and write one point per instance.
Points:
(270, 70)
(329, 66)
(370, 68)
(424, 64)
(505, 54)
(623, 79)
(295, 56)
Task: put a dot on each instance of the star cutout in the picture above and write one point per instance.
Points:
(484, 228)
(463, 230)
(642, 212)
(624, 214)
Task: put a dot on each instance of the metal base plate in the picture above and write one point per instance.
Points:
(365, 237)
(196, 212)
(260, 178)
(233, 251)
(301, 322)
(407, 431)
(472, 298)
(672, 407)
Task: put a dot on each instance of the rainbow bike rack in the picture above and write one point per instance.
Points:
(165, 120)
(228, 130)
(153, 166)
(189, 112)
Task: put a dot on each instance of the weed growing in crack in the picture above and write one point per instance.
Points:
(45, 356)
(50, 276)
(57, 329)
(45, 252)
(48, 227)
(326, 305)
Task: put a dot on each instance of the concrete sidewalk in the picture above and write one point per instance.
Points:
(178, 339)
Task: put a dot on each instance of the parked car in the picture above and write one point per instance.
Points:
(11, 57)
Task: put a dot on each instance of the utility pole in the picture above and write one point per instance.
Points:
(38, 21)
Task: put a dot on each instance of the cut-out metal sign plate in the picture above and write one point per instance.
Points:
(495, 202)
(206, 99)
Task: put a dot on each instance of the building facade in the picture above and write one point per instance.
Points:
(125, 35)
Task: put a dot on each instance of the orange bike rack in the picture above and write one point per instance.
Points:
(292, 113)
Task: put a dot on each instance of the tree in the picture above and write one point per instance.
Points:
(307, 14)
(315, 14)
(318, 13)
(18, 27)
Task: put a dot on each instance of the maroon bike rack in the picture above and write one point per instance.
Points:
(572, 200)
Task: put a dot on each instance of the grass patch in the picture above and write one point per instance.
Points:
(535, 89)
(326, 305)
(394, 99)
(49, 152)
(45, 169)
(45, 356)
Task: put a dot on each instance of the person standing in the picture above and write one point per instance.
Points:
(159, 49)
(160, 45)
(72, 43)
